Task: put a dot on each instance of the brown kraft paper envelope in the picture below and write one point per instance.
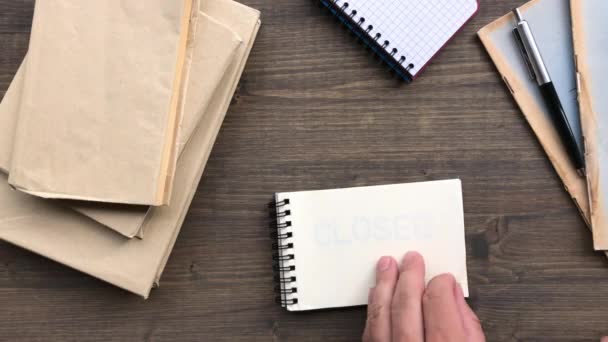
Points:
(213, 52)
(135, 265)
(590, 34)
(99, 111)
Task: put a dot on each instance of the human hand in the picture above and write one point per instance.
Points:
(402, 309)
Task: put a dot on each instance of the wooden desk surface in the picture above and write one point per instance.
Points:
(314, 111)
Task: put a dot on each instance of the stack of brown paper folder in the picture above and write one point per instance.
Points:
(558, 29)
(101, 178)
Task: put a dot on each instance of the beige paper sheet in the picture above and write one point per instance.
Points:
(101, 123)
(590, 36)
(9, 108)
(125, 219)
(213, 51)
(135, 265)
(534, 112)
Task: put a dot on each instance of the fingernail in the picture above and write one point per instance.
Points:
(384, 263)
(408, 260)
(409, 257)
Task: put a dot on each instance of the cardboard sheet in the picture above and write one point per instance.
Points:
(590, 32)
(101, 124)
(135, 265)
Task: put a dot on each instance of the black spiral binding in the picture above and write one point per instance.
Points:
(342, 10)
(283, 253)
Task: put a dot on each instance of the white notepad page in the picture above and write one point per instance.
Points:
(339, 235)
(416, 28)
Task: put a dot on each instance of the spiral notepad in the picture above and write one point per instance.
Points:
(327, 242)
(406, 34)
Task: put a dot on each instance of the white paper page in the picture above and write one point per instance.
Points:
(339, 235)
(417, 29)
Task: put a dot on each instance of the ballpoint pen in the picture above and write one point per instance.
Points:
(538, 72)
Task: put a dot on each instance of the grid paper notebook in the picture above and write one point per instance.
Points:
(327, 242)
(406, 34)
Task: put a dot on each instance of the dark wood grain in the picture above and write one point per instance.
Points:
(314, 111)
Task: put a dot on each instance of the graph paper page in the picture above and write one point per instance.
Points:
(416, 28)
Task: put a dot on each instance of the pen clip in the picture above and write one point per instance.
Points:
(524, 54)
